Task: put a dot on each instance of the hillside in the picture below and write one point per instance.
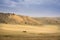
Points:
(49, 20)
(11, 18)
(9, 21)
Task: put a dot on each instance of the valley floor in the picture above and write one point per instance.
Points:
(28, 32)
(30, 37)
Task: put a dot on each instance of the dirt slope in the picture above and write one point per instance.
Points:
(11, 18)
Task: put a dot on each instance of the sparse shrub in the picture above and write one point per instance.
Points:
(24, 31)
(7, 36)
(25, 22)
(13, 14)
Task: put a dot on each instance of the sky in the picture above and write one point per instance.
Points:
(34, 8)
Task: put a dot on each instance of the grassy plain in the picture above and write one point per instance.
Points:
(28, 32)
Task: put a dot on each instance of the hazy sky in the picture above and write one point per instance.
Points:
(31, 7)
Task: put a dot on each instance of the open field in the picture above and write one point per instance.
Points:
(30, 29)
(28, 32)
(29, 37)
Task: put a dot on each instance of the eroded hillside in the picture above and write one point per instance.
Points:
(11, 18)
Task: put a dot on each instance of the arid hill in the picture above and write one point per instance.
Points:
(11, 18)
(49, 20)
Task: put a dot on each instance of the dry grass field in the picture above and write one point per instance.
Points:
(18, 27)
(30, 29)
(29, 37)
(28, 32)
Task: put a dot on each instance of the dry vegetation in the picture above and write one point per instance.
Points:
(29, 28)
(18, 27)
(49, 20)
(11, 18)
(28, 32)
(27, 37)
